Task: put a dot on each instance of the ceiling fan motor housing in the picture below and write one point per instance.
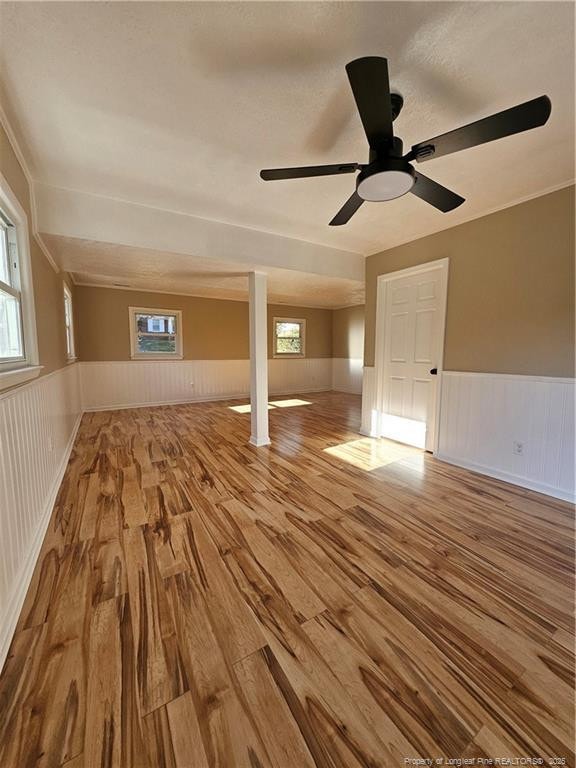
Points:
(396, 102)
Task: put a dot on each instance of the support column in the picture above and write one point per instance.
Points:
(258, 359)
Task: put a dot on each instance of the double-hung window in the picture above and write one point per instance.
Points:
(289, 337)
(18, 344)
(155, 334)
(11, 331)
(69, 324)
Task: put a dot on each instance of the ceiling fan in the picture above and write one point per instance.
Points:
(388, 173)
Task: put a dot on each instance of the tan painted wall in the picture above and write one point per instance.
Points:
(48, 285)
(510, 288)
(213, 329)
(348, 332)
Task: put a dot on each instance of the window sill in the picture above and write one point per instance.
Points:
(19, 376)
(288, 356)
(152, 358)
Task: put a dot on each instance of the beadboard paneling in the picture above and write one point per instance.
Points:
(347, 375)
(137, 382)
(307, 374)
(38, 423)
(482, 415)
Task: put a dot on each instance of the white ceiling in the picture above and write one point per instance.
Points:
(177, 106)
(96, 263)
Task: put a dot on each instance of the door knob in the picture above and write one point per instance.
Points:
(434, 371)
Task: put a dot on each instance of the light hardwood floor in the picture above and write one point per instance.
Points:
(328, 601)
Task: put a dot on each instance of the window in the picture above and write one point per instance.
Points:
(69, 323)
(156, 334)
(289, 337)
(18, 347)
(11, 337)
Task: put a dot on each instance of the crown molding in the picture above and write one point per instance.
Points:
(26, 171)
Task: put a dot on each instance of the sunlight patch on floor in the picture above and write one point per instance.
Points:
(289, 403)
(368, 453)
(271, 405)
(245, 408)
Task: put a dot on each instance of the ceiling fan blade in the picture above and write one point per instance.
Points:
(348, 210)
(523, 117)
(435, 194)
(275, 174)
(371, 88)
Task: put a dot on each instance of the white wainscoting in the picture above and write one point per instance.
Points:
(137, 382)
(347, 375)
(482, 415)
(38, 423)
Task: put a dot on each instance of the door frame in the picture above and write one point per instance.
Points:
(383, 283)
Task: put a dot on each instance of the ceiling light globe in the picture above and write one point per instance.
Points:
(385, 185)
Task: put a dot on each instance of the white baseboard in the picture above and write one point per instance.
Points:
(346, 390)
(24, 577)
(259, 443)
(507, 477)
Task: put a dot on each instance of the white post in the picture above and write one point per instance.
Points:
(258, 360)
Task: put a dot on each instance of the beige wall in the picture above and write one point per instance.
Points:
(48, 285)
(510, 288)
(348, 332)
(213, 329)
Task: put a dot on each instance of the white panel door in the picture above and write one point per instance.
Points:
(413, 329)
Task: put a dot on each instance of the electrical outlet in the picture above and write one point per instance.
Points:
(191, 385)
(518, 448)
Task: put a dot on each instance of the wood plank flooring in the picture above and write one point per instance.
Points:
(328, 601)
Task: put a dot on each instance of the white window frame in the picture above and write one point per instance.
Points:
(134, 354)
(69, 327)
(26, 367)
(302, 322)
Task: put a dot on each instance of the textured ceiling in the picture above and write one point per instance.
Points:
(178, 105)
(95, 263)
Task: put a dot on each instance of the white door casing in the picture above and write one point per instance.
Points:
(410, 322)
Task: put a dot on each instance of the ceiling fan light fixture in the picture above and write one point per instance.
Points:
(385, 185)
